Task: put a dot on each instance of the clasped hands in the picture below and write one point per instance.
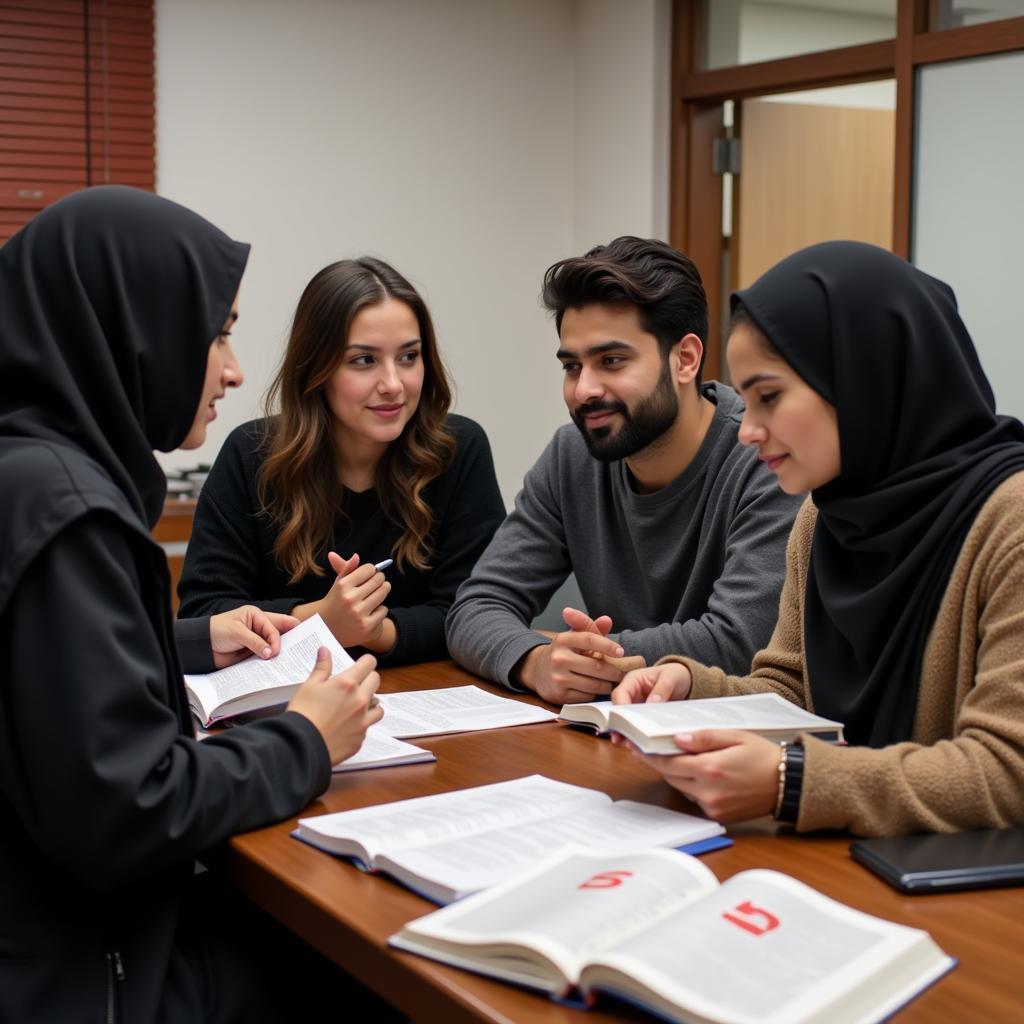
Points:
(731, 774)
(581, 664)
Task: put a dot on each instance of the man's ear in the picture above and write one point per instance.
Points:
(686, 355)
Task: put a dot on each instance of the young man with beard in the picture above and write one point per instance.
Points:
(676, 533)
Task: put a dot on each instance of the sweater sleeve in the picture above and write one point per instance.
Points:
(225, 555)
(192, 639)
(106, 783)
(970, 780)
(973, 778)
(472, 514)
(488, 625)
(743, 603)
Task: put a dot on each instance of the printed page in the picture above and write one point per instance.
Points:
(454, 709)
(292, 665)
(470, 863)
(750, 711)
(573, 905)
(761, 948)
(458, 814)
(593, 713)
(379, 749)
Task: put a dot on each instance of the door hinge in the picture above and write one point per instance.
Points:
(725, 156)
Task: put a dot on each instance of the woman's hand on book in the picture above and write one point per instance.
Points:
(236, 634)
(341, 707)
(731, 774)
(669, 681)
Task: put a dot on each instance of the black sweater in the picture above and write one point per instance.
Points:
(230, 559)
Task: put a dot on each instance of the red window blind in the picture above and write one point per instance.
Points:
(76, 100)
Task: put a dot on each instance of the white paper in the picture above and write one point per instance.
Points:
(454, 709)
(379, 750)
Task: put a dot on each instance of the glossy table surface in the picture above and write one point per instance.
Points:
(349, 915)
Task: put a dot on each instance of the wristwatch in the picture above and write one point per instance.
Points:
(793, 784)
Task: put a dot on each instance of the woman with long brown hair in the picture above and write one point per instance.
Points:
(357, 461)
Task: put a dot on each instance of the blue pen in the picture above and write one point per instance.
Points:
(380, 566)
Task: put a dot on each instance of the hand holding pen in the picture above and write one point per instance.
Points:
(354, 608)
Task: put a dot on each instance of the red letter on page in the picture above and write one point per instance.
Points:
(770, 921)
(606, 880)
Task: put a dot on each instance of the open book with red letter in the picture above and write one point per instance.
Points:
(656, 928)
(448, 845)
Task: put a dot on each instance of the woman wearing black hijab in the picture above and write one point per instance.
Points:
(903, 606)
(113, 341)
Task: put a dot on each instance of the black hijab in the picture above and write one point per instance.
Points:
(109, 301)
(921, 450)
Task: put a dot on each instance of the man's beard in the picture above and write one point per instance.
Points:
(641, 426)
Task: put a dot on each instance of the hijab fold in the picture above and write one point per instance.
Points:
(111, 298)
(921, 450)
(110, 301)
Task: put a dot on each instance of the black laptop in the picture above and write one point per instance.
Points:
(944, 863)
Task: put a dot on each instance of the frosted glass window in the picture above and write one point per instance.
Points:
(968, 210)
(959, 13)
(746, 32)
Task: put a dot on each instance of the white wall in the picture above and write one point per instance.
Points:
(469, 142)
(968, 215)
(621, 120)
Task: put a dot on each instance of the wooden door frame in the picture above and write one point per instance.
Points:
(695, 195)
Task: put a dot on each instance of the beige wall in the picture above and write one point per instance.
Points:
(469, 142)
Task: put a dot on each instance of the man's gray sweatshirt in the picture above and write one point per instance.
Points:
(694, 568)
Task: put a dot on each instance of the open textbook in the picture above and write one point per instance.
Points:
(255, 684)
(656, 928)
(451, 844)
(652, 726)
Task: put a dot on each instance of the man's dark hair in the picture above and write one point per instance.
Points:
(662, 283)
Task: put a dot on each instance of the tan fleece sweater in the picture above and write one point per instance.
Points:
(964, 766)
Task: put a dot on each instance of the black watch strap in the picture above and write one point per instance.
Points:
(789, 809)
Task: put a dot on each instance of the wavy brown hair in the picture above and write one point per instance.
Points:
(298, 483)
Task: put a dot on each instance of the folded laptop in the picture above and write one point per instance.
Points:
(944, 863)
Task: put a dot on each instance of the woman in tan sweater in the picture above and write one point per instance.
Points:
(902, 614)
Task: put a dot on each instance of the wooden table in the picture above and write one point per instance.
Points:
(349, 915)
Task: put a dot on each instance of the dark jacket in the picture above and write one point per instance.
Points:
(106, 799)
(111, 300)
